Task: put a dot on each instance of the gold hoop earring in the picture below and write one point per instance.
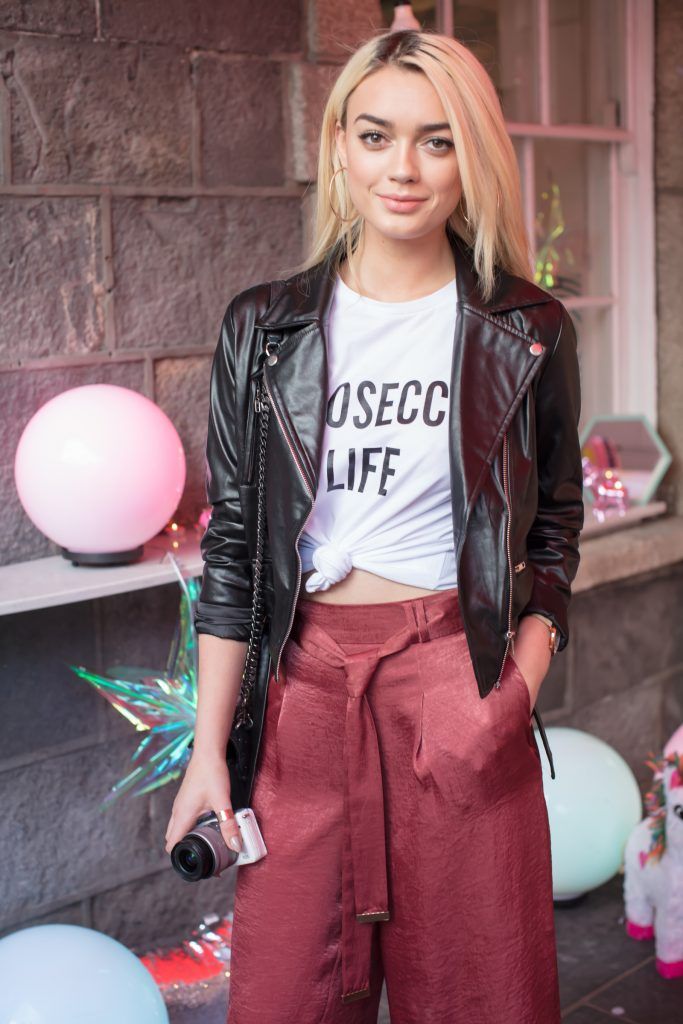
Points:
(329, 196)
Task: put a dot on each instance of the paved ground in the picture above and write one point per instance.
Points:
(604, 974)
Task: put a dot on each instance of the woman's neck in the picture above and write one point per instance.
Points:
(394, 270)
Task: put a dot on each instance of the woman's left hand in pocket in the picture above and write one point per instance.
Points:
(532, 654)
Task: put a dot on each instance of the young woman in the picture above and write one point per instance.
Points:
(424, 506)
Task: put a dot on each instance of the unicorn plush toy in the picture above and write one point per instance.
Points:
(653, 869)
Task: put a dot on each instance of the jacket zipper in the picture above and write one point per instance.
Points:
(296, 542)
(520, 565)
(251, 428)
(510, 632)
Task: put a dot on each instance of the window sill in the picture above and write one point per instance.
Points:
(615, 554)
(633, 515)
(611, 552)
(45, 582)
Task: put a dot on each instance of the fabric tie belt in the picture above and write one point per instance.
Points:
(364, 861)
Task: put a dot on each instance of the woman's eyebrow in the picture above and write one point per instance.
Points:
(436, 127)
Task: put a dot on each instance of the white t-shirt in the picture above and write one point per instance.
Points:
(383, 502)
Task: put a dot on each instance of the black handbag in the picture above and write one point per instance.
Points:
(245, 736)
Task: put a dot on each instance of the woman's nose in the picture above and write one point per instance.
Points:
(405, 166)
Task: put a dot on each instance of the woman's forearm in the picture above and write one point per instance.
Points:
(219, 675)
(531, 653)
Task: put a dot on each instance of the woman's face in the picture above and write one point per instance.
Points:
(397, 143)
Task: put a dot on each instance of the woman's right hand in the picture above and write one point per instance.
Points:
(205, 787)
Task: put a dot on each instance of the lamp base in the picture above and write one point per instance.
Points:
(103, 557)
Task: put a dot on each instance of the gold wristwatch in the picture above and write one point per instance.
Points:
(553, 635)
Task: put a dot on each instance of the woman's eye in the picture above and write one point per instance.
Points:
(366, 136)
(446, 144)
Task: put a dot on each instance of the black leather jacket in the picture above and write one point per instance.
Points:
(516, 473)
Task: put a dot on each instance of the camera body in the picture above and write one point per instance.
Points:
(203, 853)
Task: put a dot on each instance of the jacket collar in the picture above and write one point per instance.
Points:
(305, 297)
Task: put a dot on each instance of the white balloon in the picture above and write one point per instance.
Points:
(593, 804)
(67, 974)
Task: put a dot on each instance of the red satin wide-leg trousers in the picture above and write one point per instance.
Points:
(406, 828)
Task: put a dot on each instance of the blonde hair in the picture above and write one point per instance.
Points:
(489, 216)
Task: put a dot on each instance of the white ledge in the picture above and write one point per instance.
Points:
(45, 582)
(645, 547)
(606, 556)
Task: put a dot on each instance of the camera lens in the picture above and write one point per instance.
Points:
(193, 858)
(188, 860)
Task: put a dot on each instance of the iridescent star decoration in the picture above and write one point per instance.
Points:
(162, 704)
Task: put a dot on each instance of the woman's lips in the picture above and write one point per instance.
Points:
(400, 205)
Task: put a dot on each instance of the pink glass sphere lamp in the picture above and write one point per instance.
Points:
(100, 470)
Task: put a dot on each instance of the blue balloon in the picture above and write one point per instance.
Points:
(593, 804)
(66, 974)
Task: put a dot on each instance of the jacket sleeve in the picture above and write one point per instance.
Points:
(553, 541)
(224, 605)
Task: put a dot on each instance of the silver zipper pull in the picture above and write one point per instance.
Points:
(271, 353)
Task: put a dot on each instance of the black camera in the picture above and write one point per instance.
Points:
(203, 853)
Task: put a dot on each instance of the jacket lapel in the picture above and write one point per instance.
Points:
(298, 383)
(492, 367)
(298, 380)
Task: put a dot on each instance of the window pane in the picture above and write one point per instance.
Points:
(502, 35)
(424, 11)
(594, 346)
(572, 216)
(586, 61)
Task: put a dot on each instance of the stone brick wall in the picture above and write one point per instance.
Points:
(153, 161)
(621, 676)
